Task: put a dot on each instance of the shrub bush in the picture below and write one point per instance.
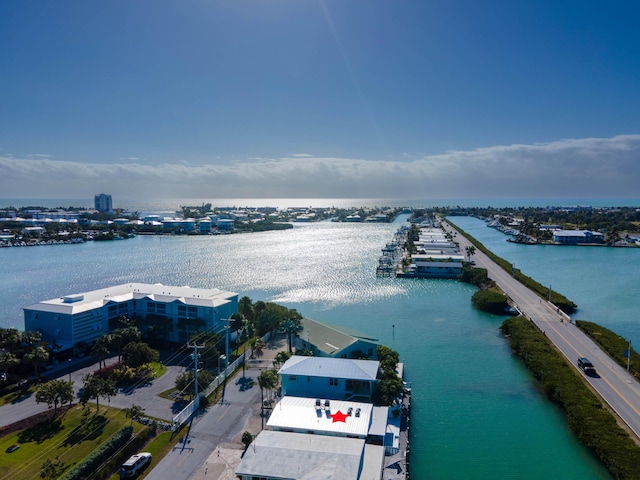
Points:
(490, 301)
(90, 464)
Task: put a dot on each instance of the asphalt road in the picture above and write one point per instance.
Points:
(617, 387)
(220, 425)
(144, 395)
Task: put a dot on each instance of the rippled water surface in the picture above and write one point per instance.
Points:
(476, 412)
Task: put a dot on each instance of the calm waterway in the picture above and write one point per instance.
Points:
(477, 412)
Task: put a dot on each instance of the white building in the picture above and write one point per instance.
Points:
(175, 312)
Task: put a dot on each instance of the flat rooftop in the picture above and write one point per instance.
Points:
(288, 455)
(299, 413)
(82, 302)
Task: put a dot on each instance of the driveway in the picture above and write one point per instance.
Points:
(145, 396)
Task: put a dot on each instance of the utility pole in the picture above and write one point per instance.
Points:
(629, 357)
(227, 327)
(196, 357)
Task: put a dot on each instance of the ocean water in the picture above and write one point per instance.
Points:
(477, 413)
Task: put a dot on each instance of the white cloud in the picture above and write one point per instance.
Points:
(590, 167)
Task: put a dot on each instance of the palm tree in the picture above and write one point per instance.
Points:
(100, 348)
(291, 326)
(7, 360)
(267, 380)
(245, 307)
(470, 251)
(37, 357)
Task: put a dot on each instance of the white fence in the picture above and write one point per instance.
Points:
(190, 409)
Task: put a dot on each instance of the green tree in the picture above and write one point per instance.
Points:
(470, 251)
(136, 354)
(134, 412)
(122, 336)
(10, 339)
(32, 338)
(291, 325)
(52, 469)
(245, 308)
(100, 348)
(36, 357)
(267, 380)
(54, 392)
(280, 359)
(7, 360)
(185, 381)
(96, 387)
(490, 301)
(247, 438)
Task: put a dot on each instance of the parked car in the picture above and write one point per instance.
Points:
(586, 366)
(135, 465)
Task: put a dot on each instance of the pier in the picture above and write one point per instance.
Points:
(396, 466)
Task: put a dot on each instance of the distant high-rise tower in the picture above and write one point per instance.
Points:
(103, 203)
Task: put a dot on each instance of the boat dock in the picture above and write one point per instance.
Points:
(396, 466)
(392, 253)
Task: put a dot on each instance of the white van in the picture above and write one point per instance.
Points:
(135, 464)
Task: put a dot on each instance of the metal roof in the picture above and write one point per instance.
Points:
(285, 455)
(327, 367)
(329, 338)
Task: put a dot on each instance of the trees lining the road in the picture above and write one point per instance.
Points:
(95, 387)
(55, 392)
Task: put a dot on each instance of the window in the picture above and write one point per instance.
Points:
(293, 378)
(333, 382)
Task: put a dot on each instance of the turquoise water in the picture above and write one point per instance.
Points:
(476, 413)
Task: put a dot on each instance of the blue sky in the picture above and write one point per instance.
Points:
(333, 98)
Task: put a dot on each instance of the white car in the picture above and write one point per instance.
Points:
(135, 465)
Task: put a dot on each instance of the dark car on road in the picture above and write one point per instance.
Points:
(586, 366)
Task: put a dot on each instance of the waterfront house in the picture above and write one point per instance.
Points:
(575, 237)
(175, 312)
(329, 378)
(437, 265)
(324, 340)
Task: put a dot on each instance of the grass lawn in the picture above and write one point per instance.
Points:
(158, 368)
(158, 448)
(69, 438)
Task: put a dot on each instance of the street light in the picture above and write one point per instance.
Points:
(69, 369)
(221, 357)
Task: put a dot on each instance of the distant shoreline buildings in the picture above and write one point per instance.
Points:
(103, 203)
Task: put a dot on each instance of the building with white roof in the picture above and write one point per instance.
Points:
(176, 312)
(284, 455)
(331, 378)
(574, 237)
(322, 416)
